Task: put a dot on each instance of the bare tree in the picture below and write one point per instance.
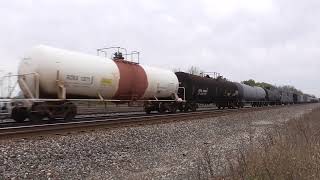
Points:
(194, 70)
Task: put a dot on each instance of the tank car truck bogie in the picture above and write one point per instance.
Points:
(162, 106)
(19, 114)
(192, 106)
(38, 110)
(227, 104)
(19, 110)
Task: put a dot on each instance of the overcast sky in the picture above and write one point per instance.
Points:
(276, 41)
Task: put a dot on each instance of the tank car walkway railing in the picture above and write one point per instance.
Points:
(9, 83)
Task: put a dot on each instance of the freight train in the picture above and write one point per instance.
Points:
(51, 79)
(223, 93)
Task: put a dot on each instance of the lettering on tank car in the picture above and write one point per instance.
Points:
(72, 77)
(202, 92)
(76, 79)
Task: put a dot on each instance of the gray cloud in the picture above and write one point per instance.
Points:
(272, 41)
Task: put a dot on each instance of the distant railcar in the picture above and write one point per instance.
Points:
(273, 96)
(206, 90)
(256, 96)
(294, 98)
(300, 99)
(314, 100)
(286, 97)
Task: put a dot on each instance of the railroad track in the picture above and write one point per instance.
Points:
(86, 117)
(115, 122)
(83, 117)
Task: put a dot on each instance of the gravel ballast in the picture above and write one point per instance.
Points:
(175, 150)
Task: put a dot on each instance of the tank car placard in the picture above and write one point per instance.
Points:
(106, 82)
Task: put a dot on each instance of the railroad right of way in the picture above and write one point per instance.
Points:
(92, 122)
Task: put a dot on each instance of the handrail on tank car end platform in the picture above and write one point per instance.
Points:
(184, 92)
(21, 80)
(131, 54)
(104, 50)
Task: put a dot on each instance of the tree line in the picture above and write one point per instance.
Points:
(265, 85)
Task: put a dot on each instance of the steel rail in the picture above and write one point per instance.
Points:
(92, 116)
(45, 129)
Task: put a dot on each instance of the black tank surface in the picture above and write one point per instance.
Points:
(206, 90)
(273, 95)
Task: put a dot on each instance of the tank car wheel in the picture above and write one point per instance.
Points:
(52, 119)
(37, 111)
(148, 111)
(163, 107)
(181, 108)
(71, 111)
(162, 110)
(148, 107)
(35, 117)
(19, 114)
(194, 108)
(173, 109)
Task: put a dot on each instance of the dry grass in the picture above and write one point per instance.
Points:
(289, 152)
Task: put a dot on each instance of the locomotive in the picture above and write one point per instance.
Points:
(51, 79)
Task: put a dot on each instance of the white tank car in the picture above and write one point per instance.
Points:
(55, 74)
(80, 73)
(87, 76)
(160, 82)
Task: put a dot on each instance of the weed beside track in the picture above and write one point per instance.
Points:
(291, 151)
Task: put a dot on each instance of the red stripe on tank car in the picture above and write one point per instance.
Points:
(133, 81)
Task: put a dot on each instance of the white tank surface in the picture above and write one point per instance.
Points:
(88, 76)
(160, 82)
(82, 74)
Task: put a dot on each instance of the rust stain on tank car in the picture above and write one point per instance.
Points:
(133, 81)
